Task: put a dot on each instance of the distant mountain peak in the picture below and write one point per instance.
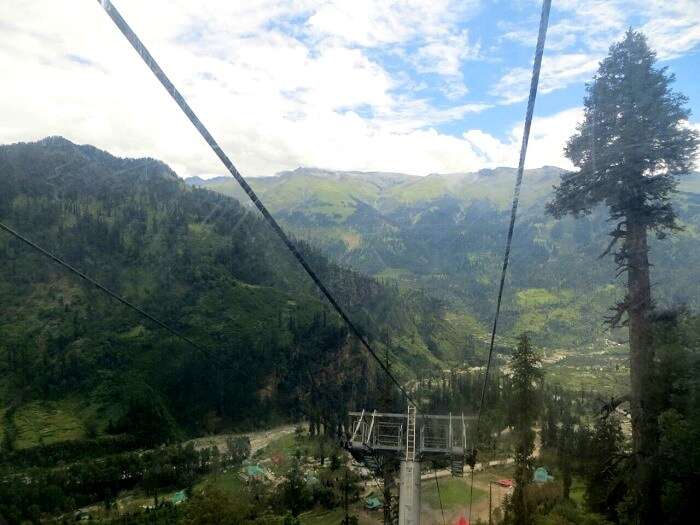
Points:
(321, 172)
(56, 140)
(89, 153)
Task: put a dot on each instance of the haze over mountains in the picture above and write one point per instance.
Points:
(427, 251)
(445, 233)
(414, 260)
(72, 358)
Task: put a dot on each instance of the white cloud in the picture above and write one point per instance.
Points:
(557, 71)
(371, 23)
(673, 28)
(584, 30)
(445, 55)
(274, 98)
(426, 34)
(427, 151)
(548, 137)
(280, 83)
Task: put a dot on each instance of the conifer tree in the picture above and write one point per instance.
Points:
(388, 465)
(632, 145)
(527, 406)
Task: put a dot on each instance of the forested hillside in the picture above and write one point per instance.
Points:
(445, 233)
(74, 363)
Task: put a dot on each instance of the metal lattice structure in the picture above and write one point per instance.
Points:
(412, 437)
(423, 436)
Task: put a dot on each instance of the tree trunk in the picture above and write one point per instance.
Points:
(388, 472)
(566, 479)
(644, 416)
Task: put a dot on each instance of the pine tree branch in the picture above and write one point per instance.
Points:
(620, 309)
(617, 234)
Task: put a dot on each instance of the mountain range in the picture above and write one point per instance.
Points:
(75, 363)
(445, 234)
(414, 260)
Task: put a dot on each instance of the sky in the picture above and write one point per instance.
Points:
(411, 86)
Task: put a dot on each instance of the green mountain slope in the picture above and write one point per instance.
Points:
(83, 364)
(445, 233)
(311, 193)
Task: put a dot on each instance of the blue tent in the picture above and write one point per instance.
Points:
(178, 497)
(541, 475)
(372, 502)
(254, 472)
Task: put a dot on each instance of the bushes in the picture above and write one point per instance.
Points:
(547, 507)
(568, 513)
(146, 417)
(215, 507)
(63, 488)
(68, 451)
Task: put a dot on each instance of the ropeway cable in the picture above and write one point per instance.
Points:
(136, 43)
(109, 292)
(437, 485)
(537, 65)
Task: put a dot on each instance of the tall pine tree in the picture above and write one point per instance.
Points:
(629, 151)
(526, 406)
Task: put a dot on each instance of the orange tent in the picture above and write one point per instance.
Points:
(463, 521)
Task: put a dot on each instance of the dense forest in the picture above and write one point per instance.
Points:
(445, 232)
(212, 383)
(196, 260)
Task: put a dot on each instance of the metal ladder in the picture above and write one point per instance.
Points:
(457, 466)
(410, 465)
(457, 460)
(411, 434)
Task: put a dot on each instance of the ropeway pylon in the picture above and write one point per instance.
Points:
(414, 438)
(409, 488)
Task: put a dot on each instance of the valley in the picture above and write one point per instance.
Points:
(87, 383)
(443, 234)
(404, 329)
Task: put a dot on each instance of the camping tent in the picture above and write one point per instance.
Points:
(541, 475)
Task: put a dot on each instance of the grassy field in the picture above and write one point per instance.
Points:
(453, 491)
(281, 450)
(285, 444)
(226, 481)
(602, 371)
(335, 517)
(322, 517)
(577, 492)
(49, 422)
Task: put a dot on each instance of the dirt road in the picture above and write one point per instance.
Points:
(258, 440)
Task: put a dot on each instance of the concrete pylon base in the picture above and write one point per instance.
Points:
(409, 493)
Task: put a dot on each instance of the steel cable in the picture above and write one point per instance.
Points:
(111, 293)
(139, 47)
(537, 65)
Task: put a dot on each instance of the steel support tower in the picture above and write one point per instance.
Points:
(409, 488)
(414, 438)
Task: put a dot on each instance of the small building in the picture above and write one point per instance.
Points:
(542, 476)
(178, 497)
(254, 472)
(373, 502)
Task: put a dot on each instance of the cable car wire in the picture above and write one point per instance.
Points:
(442, 511)
(140, 48)
(537, 65)
(109, 292)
